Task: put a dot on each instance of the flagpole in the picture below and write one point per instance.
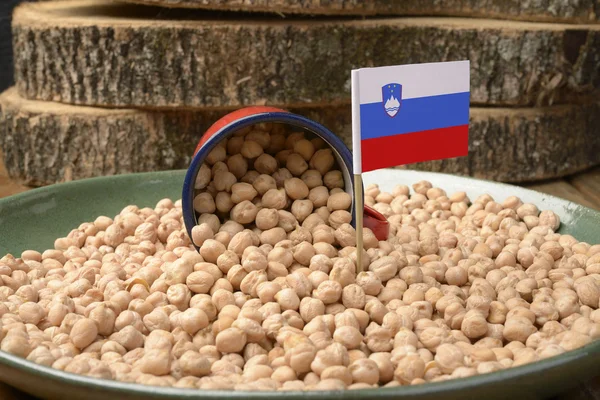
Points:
(358, 196)
(357, 167)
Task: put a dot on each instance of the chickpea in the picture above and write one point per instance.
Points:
(84, 332)
(349, 336)
(474, 324)
(339, 201)
(251, 149)
(518, 328)
(312, 178)
(192, 320)
(104, 318)
(237, 164)
(262, 184)
(242, 192)
(288, 299)
(353, 296)
(319, 196)
(296, 189)
(265, 164)
(31, 313)
(409, 368)
(244, 212)
(273, 236)
(385, 268)
(588, 292)
(203, 203)
(200, 281)
(304, 148)
(322, 161)
(328, 292)
(231, 340)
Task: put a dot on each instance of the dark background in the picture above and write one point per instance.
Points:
(6, 68)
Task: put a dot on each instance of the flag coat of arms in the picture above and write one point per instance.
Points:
(391, 98)
(409, 113)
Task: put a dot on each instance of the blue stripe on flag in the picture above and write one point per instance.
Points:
(415, 115)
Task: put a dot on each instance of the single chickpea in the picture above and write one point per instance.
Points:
(312, 178)
(518, 328)
(474, 324)
(322, 161)
(237, 164)
(348, 336)
(266, 164)
(284, 374)
(230, 340)
(288, 299)
(334, 179)
(296, 189)
(192, 320)
(273, 236)
(409, 368)
(275, 198)
(304, 148)
(296, 164)
(550, 219)
(211, 250)
(84, 332)
(203, 203)
(244, 212)
(211, 220)
(200, 282)
(31, 313)
(329, 385)
(319, 196)
(251, 149)
(242, 192)
(267, 218)
(263, 183)
(588, 291)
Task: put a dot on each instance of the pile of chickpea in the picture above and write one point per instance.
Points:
(272, 299)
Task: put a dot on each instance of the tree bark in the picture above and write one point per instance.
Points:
(584, 11)
(115, 55)
(45, 142)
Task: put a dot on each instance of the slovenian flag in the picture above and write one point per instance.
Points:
(409, 113)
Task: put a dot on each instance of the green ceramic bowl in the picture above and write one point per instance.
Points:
(32, 220)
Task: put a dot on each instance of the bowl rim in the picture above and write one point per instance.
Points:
(429, 388)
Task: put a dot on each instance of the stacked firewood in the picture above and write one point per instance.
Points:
(110, 87)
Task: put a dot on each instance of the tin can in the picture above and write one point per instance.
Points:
(245, 117)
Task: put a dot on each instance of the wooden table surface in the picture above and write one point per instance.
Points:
(583, 188)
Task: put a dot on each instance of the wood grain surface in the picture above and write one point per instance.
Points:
(576, 11)
(115, 55)
(48, 142)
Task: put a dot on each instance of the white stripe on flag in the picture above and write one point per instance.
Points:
(356, 138)
(417, 80)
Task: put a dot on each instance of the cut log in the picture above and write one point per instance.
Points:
(45, 142)
(115, 55)
(578, 11)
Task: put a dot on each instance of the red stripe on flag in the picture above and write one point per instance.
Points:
(408, 148)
